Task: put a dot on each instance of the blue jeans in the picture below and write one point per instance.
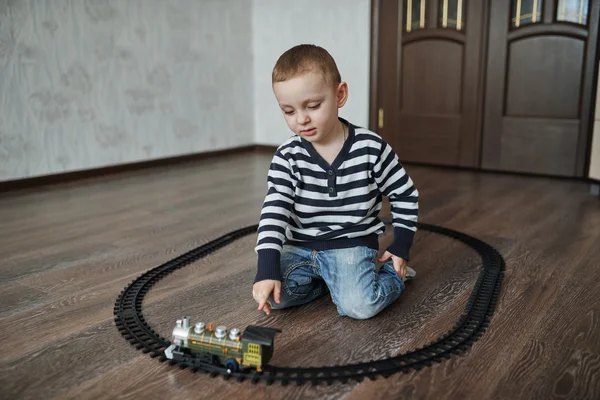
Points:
(350, 275)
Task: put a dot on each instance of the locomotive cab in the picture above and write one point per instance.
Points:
(257, 346)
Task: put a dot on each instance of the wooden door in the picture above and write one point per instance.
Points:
(428, 78)
(540, 68)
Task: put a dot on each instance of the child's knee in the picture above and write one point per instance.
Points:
(357, 308)
(364, 307)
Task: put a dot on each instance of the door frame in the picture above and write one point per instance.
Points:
(393, 45)
(375, 72)
(584, 146)
(592, 110)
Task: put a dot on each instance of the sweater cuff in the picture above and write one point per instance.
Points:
(268, 265)
(403, 239)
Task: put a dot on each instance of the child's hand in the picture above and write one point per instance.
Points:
(261, 291)
(399, 263)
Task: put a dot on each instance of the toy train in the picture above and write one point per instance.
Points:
(201, 345)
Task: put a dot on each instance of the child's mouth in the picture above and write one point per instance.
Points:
(309, 132)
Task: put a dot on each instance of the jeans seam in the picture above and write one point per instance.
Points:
(374, 262)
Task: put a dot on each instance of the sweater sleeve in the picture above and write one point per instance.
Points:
(274, 218)
(394, 182)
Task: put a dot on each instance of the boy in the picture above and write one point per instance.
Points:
(318, 229)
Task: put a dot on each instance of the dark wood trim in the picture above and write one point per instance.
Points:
(495, 85)
(483, 68)
(265, 148)
(399, 38)
(584, 146)
(374, 65)
(548, 11)
(453, 36)
(386, 49)
(474, 58)
(592, 111)
(53, 179)
(557, 29)
(432, 14)
(592, 116)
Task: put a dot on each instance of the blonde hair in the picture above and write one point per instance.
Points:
(306, 58)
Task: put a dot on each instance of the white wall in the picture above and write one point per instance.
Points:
(87, 83)
(92, 83)
(340, 26)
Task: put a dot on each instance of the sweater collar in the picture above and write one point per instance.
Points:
(339, 159)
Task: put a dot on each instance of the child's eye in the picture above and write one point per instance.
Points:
(288, 112)
(315, 106)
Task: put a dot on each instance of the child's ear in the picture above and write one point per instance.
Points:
(341, 94)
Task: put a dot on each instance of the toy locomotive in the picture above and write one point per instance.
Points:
(201, 344)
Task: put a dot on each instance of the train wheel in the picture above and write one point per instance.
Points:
(232, 365)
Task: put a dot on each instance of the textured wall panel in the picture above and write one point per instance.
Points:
(91, 83)
(340, 26)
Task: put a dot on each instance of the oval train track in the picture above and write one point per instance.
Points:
(473, 322)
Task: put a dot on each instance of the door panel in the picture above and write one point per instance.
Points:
(544, 77)
(432, 103)
(522, 146)
(421, 74)
(421, 139)
(538, 86)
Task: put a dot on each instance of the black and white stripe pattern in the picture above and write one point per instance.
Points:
(310, 203)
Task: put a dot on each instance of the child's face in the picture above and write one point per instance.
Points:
(310, 106)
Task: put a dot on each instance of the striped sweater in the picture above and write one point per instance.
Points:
(312, 204)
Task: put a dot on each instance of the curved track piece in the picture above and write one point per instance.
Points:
(469, 327)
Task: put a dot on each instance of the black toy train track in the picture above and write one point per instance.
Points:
(469, 327)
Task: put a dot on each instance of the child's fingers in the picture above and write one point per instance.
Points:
(400, 268)
(385, 256)
(403, 270)
(267, 308)
(261, 304)
(262, 297)
(262, 301)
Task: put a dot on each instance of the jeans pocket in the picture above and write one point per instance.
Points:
(298, 282)
(299, 286)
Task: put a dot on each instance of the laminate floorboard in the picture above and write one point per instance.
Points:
(68, 250)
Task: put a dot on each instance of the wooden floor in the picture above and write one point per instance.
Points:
(67, 251)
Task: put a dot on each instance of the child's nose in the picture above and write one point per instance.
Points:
(302, 118)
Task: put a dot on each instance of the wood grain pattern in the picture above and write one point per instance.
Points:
(68, 251)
